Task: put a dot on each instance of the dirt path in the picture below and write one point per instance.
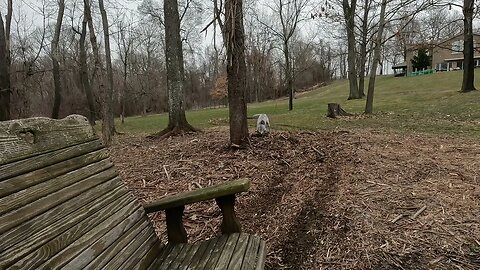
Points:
(326, 200)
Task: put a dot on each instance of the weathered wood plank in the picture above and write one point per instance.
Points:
(34, 259)
(162, 255)
(239, 253)
(227, 252)
(199, 262)
(101, 260)
(20, 182)
(16, 217)
(177, 249)
(148, 258)
(126, 215)
(262, 254)
(196, 248)
(208, 193)
(31, 194)
(216, 252)
(38, 231)
(250, 259)
(112, 234)
(46, 160)
(140, 252)
(129, 250)
(23, 138)
(181, 256)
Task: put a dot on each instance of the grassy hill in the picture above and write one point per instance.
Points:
(426, 104)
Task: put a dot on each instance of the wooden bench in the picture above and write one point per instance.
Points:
(62, 205)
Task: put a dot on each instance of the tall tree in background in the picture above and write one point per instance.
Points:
(236, 71)
(177, 121)
(349, 9)
(55, 54)
(5, 87)
(86, 82)
(108, 126)
(376, 58)
(468, 52)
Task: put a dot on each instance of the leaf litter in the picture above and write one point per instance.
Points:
(341, 199)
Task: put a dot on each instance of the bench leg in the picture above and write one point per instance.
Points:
(175, 230)
(230, 223)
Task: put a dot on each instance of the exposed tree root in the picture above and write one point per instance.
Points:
(173, 131)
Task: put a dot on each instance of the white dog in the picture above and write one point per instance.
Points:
(263, 124)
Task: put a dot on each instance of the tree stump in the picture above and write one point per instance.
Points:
(334, 110)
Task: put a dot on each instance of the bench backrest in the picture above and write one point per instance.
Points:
(62, 203)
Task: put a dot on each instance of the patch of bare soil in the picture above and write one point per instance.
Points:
(326, 200)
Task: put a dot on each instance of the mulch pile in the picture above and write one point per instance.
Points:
(325, 200)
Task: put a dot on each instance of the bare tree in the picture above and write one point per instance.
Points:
(55, 54)
(349, 9)
(468, 52)
(376, 58)
(86, 82)
(236, 72)
(177, 121)
(289, 14)
(108, 125)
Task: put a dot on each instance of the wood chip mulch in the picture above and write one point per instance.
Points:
(325, 200)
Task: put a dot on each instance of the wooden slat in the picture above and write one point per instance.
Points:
(102, 259)
(140, 253)
(196, 259)
(200, 262)
(48, 159)
(250, 259)
(36, 232)
(130, 249)
(16, 217)
(181, 256)
(26, 196)
(129, 213)
(148, 258)
(239, 253)
(208, 193)
(226, 253)
(161, 256)
(196, 247)
(177, 249)
(20, 139)
(112, 234)
(216, 252)
(262, 254)
(23, 181)
(34, 259)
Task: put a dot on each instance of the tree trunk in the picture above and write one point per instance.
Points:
(335, 110)
(4, 75)
(288, 75)
(363, 50)
(376, 59)
(236, 70)
(55, 54)
(349, 13)
(87, 87)
(108, 126)
(177, 121)
(468, 50)
(93, 40)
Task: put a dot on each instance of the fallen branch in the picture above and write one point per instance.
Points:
(397, 218)
(419, 212)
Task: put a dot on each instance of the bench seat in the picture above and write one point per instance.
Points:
(63, 206)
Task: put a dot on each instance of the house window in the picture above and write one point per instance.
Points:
(457, 46)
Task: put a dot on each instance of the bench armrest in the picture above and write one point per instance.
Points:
(202, 194)
(224, 195)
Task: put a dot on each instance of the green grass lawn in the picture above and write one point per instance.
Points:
(425, 104)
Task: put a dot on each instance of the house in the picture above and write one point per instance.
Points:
(446, 55)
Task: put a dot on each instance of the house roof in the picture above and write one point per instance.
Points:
(456, 36)
(400, 65)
